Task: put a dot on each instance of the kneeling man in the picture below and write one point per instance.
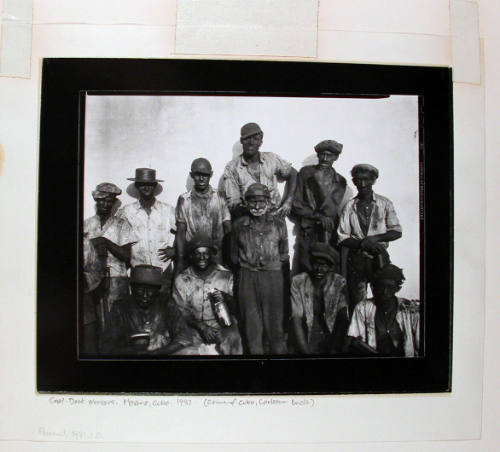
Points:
(197, 289)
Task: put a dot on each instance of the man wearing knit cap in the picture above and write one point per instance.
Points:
(386, 324)
(153, 222)
(196, 292)
(106, 252)
(321, 194)
(319, 304)
(200, 211)
(367, 223)
(253, 167)
(259, 251)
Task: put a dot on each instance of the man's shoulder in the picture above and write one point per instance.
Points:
(244, 220)
(307, 171)
(382, 199)
(90, 221)
(128, 208)
(336, 278)
(234, 163)
(300, 279)
(364, 305)
(412, 306)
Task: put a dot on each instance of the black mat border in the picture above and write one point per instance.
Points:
(60, 207)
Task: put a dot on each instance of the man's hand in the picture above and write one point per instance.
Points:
(370, 244)
(217, 295)
(208, 333)
(100, 244)
(157, 341)
(327, 223)
(166, 253)
(284, 210)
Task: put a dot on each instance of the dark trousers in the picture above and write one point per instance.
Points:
(260, 298)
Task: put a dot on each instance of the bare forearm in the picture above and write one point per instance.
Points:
(290, 187)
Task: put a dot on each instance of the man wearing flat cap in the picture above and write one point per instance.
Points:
(367, 223)
(253, 167)
(321, 194)
(319, 304)
(145, 322)
(153, 222)
(200, 211)
(107, 241)
(196, 292)
(259, 252)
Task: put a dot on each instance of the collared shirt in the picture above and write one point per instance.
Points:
(260, 246)
(302, 299)
(117, 230)
(191, 292)
(407, 316)
(237, 177)
(152, 231)
(382, 220)
(203, 213)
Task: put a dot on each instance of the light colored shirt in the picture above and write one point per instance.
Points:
(237, 177)
(302, 299)
(383, 219)
(152, 232)
(191, 293)
(408, 318)
(118, 231)
(203, 213)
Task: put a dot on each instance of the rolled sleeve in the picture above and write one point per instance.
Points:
(344, 228)
(180, 214)
(283, 168)
(391, 218)
(296, 300)
(356, 327)
(231, 188)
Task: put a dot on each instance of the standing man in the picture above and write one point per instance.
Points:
(320, 196)
(106, 249)
(319, 304)
(367, 223)
(196, 290)
(259, 249)
(200, 211)
(253, 167)
(153, 223)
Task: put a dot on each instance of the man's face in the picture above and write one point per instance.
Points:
(201, 181)
(257, 205)
(320, 267)
(364, 181)
(144, 294)
(201, 258)
(251, 144)
(385, 289)
(326, 158)
(146, 189)
(104, 205)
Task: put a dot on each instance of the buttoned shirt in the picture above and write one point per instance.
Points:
(117, 230)
(383, 219)
(302, 299)
(152, 231)
(260, 245)
(407, 316)
(203, 213)
(237, 177)
(191, 292)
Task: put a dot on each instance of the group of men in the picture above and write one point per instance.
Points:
(213, 276)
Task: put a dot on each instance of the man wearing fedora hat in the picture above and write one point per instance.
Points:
(153, 222)
(321, 194)
(201, 210)
(253, 167)
(196, 291)
(319, 304)
(145, 322)
(107, 240)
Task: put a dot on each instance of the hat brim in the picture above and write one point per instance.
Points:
(142, 180)
(250, 134)
(102, 195)
(333, 260)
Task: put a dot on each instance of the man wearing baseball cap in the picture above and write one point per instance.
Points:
(201, 210)
(107, 240)
(319, 304)
(253, 167)
(321, 194)
(259, 251)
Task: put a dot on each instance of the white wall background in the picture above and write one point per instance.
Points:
(167, 132)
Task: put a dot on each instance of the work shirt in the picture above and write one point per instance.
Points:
(407, 317)
(191, 293)
(237, 178)
(117, 230)
(259, 246)
(203, 213)
(152, 232)
(302, 299)
(383, 219)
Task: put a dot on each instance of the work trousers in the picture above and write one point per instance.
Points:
(261, 303)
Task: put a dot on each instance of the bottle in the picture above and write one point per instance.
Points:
(221, 311)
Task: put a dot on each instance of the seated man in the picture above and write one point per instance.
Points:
(319, 306)
(196, 290)
(386, 325)
(144, 322)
